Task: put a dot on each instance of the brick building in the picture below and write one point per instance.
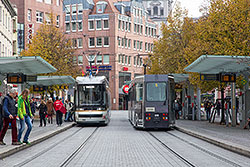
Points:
(114, 34)
(33, 13)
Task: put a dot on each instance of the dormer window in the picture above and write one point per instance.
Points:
(101, 6)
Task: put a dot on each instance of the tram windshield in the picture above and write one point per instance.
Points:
(156, 91)
(91, 95)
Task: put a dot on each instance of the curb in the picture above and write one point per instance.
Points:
(34, 142)
(222, 144)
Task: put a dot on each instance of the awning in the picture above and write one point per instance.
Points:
(214, 64)
(27, 65)
(178, 78)
(53, 80)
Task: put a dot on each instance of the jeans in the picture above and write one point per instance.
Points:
(22, 127)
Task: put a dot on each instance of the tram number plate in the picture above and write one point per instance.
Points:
(150, 109)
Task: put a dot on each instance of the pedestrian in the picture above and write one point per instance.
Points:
(50, 110)
(71, 112)
(1, 112)
(58, 106)
(9, 114)
(42, 113)
(177, 107)
(33, 109)
(67, 106)
(218, 107)
(25, 115)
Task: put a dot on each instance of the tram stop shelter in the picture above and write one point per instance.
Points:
(32, 65)
(53, 80)
(216, 64)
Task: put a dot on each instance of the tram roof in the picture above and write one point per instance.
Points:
(91, 80)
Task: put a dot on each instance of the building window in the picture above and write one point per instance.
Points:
(1, 15)
(105, 24)
(98, 25)
(80, 60)
(129, 60)
(141, 30)
(73, 9)
(129, 43)
(134, 60)
(47, 1)
(99, 41)
(129, 27)
(91, 24)
(39, 0)
(74, 41)
(138, 45)
(39, 17)
(152, 47)
(119, 58)
(79, 42)
(126, 59)
(149, 12)
(123, 25)
(106, 41)
(58, 21)
(134, 44)
(126, 26)
(79, 26)
(155, 10)
(122, 59)
(28, 15)
(119, 41)
(122, 42)
(99, 59)
(92, 42)
(67, 9)
(146, 46)
(149, 47)
(80, 8)
(141, 62)
(126, 42)
(106, 59)
(141, 46)
(138, 28)
(138, 61)
(73, 26)
(47, 18)
(67, 27)
(119, 24)
(57, 2)
(162, 12)
(135, 27)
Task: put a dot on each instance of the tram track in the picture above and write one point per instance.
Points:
(77, 151)
(45, 150)
(205, 151)
(187, 162)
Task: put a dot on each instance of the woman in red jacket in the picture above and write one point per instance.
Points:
(58, 106)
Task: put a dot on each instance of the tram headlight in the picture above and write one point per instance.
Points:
(99, 109)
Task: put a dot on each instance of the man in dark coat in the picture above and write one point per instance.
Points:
(9, 114)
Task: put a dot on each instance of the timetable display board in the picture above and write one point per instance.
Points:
(15, 78)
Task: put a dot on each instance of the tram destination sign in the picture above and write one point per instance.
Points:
(209, 77)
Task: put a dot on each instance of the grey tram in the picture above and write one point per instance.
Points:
(151, 101)
(92, 99)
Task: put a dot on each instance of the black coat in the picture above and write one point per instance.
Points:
(42, 109)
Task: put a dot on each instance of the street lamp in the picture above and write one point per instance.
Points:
(144, 65)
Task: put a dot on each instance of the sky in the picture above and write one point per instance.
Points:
(193, 7)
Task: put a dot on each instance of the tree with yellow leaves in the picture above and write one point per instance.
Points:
(52, 45)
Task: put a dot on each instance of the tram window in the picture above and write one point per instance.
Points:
(139, 92)
(156, 91)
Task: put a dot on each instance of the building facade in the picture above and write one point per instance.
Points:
(158, 10)
(118, 36)
(8, 22)
(33, 13)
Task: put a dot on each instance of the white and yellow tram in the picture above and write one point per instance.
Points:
(92, 100)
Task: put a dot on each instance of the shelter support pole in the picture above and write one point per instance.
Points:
(183, 103)
(233, 106)
(245, 101)
(198, 99)
(222, 107)
(192, 101)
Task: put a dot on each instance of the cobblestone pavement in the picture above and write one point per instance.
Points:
(120, 145)
(234, 135)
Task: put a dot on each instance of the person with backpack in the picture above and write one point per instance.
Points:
(9, 114)
(58, 105)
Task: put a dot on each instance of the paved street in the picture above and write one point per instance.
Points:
(119, 144)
